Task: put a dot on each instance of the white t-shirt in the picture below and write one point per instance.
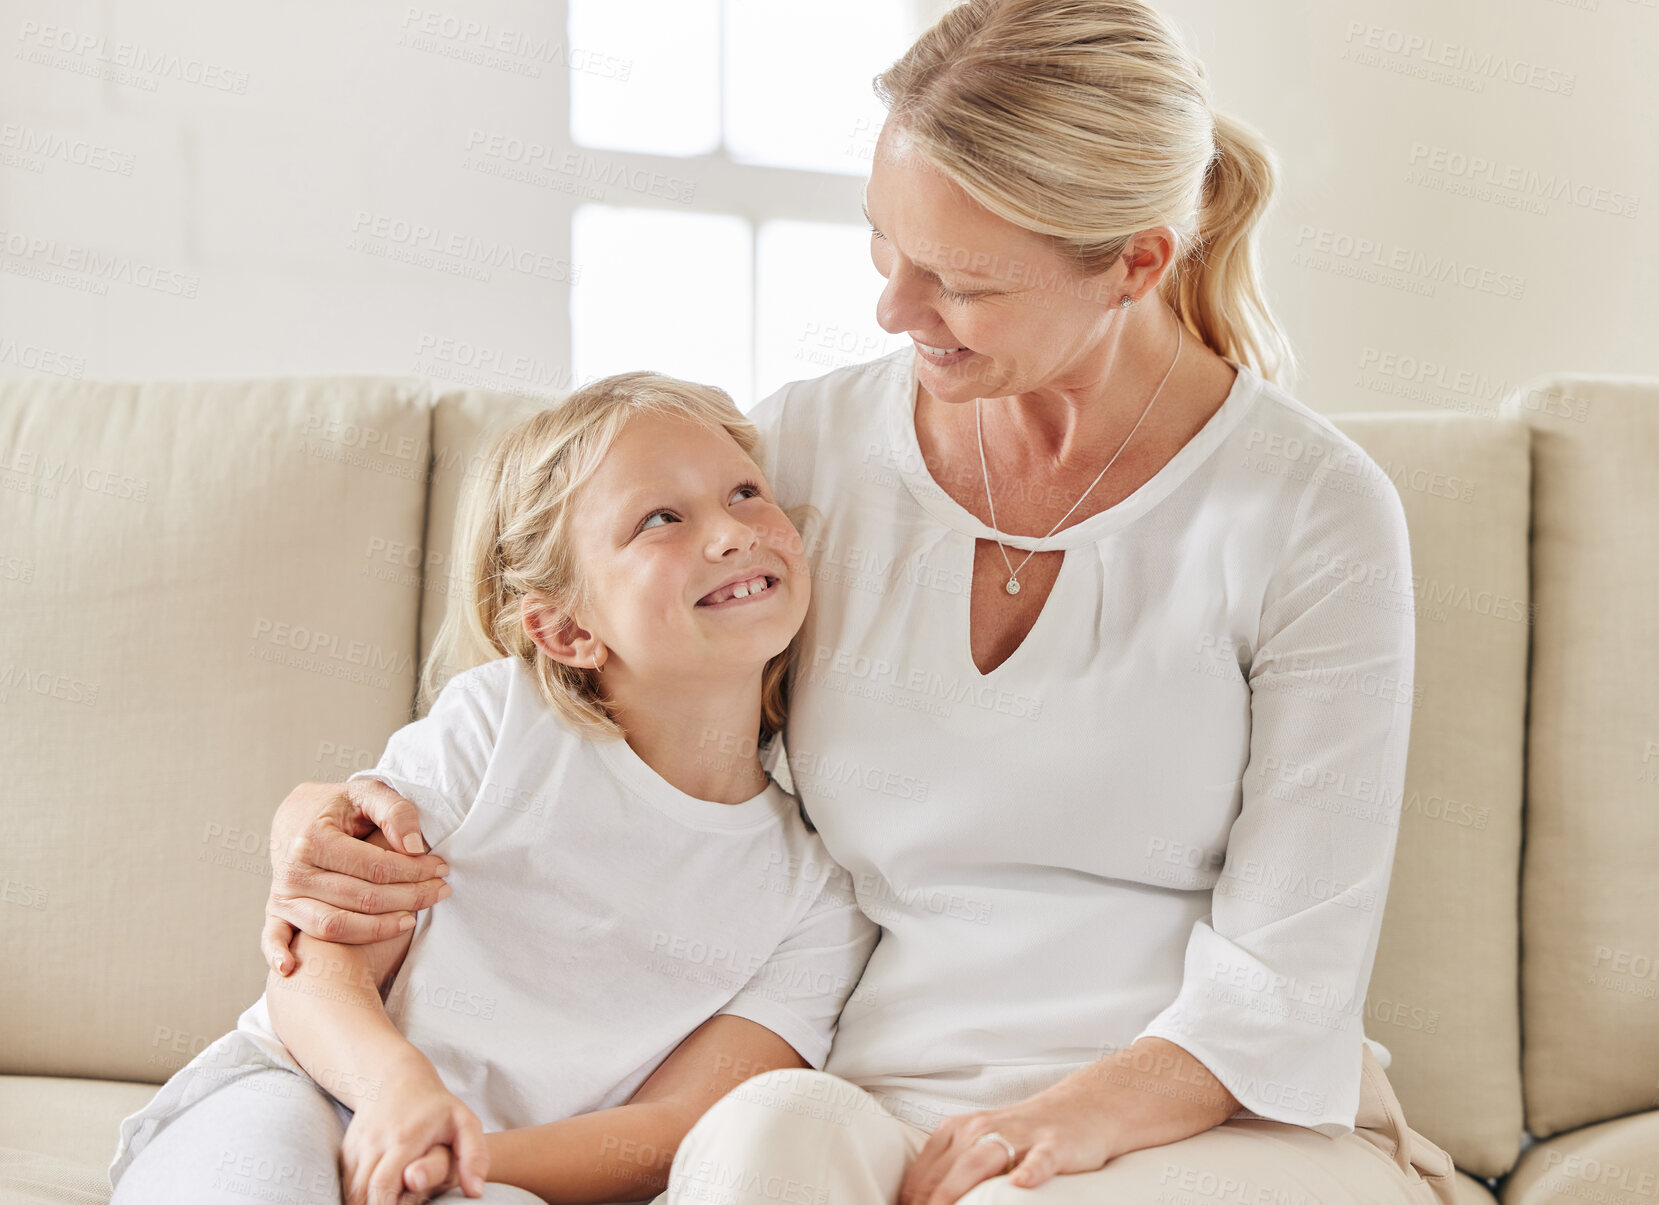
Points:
(1171, 811)
(599, 914)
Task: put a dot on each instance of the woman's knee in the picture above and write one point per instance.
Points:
(782, 1098)
(775, 1117)
(794, 1134)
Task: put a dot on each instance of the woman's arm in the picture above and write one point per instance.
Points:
(1147, 1094)
(623, 1154)
(326, 880)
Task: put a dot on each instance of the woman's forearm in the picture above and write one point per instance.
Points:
(330, 1016)
(1153, 1092)
(619, 1154)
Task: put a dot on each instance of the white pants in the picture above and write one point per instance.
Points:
(259, 1136)
(804, 1137)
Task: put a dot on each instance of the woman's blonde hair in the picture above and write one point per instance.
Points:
(1088, 121)
(513, 537)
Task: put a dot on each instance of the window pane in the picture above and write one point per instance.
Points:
(644, 75)
(798, 79)
(663, 291)
(817, 302)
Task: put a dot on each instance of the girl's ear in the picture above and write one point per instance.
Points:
(556, 633)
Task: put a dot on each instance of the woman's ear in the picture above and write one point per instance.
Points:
(555, 632)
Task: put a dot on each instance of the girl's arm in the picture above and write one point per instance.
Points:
(330, 1015)
(623, 1154)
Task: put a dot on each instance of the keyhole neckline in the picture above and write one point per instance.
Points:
(901, 433)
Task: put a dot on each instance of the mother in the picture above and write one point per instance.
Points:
(1088, 703)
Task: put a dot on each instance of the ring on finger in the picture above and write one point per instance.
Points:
(993, 1136)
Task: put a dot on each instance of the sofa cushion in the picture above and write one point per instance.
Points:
(1615, 1162)
(1590, 889)
(59, 1136)
(1443, 996)
(30, 1179)
(1470, 1191)
(193, 626)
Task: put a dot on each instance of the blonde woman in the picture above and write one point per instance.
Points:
(1082, 704)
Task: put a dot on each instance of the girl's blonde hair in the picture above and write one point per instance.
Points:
(513, 536)
(1088, 121)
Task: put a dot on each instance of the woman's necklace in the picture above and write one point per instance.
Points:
(1013, 586)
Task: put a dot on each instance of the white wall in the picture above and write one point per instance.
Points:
(245, 152)
(1443, 231)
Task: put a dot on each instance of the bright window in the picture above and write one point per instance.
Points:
(798, 78)
(664, 291)
(663, 95)
(762, 275)
(816, 296)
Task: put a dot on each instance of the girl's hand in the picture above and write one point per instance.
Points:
(391, 1142)
(433, 1174)
(1061, 1130)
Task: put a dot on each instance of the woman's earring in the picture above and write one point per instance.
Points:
(1126, 302)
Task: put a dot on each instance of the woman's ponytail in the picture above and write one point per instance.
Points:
(1217, 288)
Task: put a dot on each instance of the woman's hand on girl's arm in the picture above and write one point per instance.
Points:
(326, 880)
(1149, 1093)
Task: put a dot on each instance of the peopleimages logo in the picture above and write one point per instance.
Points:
(44, 144)
(1415, 270)
(319, 643)
(372, 230)
(1479, 171)
(1423, 54)
(122, 61)
(102, 267)
(915, 688)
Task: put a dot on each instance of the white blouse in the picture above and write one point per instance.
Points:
(1171, 811)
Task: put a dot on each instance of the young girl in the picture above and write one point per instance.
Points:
(640, 918)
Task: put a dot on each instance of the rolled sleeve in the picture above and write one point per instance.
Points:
(801, 989)
(1275, 976)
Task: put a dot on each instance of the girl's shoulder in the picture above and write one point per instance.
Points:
(490, 684)
(500, 695)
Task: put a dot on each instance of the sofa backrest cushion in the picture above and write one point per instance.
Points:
(199, 613)
(1443, 995)
(1590, 898)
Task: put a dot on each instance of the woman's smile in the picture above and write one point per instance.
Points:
(939, 356)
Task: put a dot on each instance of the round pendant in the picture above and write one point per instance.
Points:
(1013, 585)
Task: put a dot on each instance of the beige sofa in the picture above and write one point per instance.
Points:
(213, 590)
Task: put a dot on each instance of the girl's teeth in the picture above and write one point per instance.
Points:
(939, 351)
(744, 589)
